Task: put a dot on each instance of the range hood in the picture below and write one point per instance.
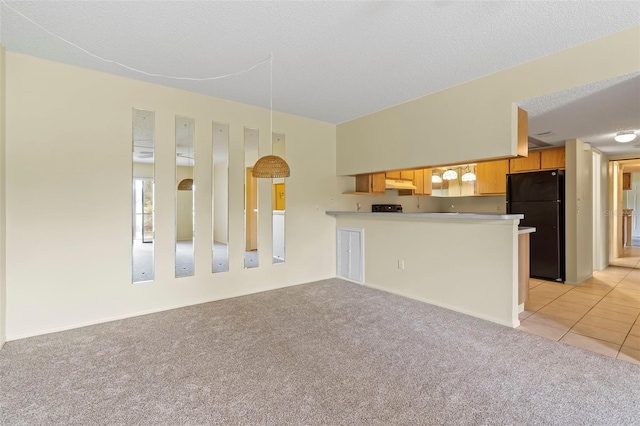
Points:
(399, 184)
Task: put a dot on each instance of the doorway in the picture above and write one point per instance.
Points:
(624, 213)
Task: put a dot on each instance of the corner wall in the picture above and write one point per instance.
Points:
(578, 211)
(68, 177)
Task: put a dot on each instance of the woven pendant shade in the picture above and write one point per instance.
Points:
(185, 185)
(271, 166)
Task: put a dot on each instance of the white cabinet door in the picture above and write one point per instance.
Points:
(350, 254)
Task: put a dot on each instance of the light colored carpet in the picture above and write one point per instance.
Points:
(325, 353)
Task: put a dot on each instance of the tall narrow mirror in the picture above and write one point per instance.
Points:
(251, 137)
(185, 196)
(142, 224)
(278, 202)
(220, 197)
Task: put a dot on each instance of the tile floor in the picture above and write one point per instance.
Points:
(601, 315)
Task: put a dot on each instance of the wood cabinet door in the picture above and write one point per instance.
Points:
(393, 175)
(363, 183)
(371, 183)
(378, 183)
(407, 175)
(553, 158)
(418, 182)
(491, 177)
(427, 182)
(525, 164)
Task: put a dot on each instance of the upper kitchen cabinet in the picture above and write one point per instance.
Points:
(372, 183)
(525, 164)
(422, 182)
(552, 158)
(400, 175)
(492, 177)
(418, 181)
(426, 178)
(542, 159)
(407, 174)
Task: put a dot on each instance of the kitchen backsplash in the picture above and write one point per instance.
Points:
(494, 204)
(417, 204)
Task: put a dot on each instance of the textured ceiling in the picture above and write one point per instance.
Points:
(333, 61)
(593, 113)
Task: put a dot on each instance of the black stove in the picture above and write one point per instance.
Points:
(386, 208)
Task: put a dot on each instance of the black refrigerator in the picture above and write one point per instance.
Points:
(540, 197)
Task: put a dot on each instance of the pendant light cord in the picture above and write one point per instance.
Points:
(111, 61)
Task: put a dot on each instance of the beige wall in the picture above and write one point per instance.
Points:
(469, 266)
(578, 211)
(64, 273)
(475, 120)
(3, 203)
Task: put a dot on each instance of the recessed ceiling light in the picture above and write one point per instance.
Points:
(624, 137)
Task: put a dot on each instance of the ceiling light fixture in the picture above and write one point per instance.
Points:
(271, 166)
(450, 175)
(624, 137)
(436, 178)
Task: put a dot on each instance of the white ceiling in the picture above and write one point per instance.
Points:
(333, 61)
(593, 113)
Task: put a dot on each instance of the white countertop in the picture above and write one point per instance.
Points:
(456, 216)
(526, 229)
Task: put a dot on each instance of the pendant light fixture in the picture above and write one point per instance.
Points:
(436, 178)
(185, 185)
(271, 166)
(450, 174)
(469, 176)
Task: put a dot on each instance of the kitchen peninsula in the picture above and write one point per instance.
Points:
(465, 262)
